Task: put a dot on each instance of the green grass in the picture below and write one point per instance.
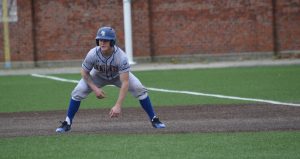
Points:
(277, 83)
(275, 145)
(280, 83)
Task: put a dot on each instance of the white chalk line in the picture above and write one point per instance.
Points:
(183, 92)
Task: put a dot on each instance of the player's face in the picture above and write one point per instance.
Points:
(105, 45)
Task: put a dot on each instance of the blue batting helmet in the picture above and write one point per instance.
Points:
(106, 33)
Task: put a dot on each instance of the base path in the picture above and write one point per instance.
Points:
(180, 119)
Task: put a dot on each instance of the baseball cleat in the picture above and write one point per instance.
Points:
(156, 123)
(64, 127)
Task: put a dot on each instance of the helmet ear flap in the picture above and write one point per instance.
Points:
(112, 43)
(97, 42)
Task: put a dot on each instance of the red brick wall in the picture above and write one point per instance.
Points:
(209, 27)
(288, 21)
(20, 34)
(65, 29)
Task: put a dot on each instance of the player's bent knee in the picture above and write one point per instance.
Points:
(142, 96)
(77, 98)
(78, 95)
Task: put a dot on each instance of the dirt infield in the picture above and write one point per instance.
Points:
(180, 119)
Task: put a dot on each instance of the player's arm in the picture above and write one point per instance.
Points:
(116, 110)
(88, 79)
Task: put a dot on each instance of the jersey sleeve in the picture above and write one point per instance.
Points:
(124, 65)
(89, 61)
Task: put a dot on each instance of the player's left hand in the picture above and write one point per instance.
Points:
(115, 111)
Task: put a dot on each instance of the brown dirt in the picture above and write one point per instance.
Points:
(180, 119)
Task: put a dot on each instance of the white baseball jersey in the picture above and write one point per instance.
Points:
(107, 67)
(105, 71)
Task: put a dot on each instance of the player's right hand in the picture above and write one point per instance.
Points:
(100, 94)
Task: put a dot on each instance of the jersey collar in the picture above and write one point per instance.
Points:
(101, 55)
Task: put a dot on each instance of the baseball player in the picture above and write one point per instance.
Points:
(107, 64)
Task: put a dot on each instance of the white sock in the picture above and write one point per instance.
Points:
(68, 120)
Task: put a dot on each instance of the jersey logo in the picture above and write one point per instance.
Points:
(106, 68)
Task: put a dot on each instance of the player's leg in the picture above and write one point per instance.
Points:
(72, 110)
(140, 92)
(80, 92)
